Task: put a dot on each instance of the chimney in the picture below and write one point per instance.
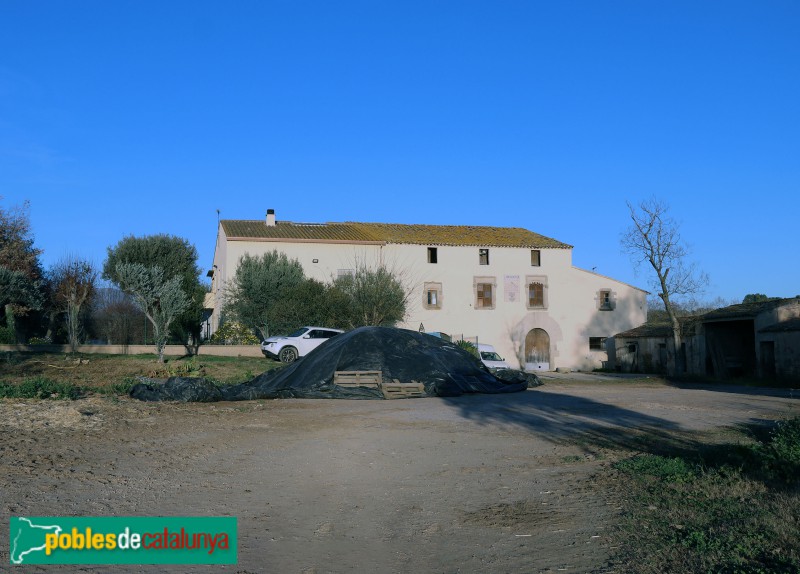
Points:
(270, 218)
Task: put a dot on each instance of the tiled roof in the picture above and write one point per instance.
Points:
(658, 330)
(783, 326)
(744, 310)
(243, 229)
(390, 233)
(647, 330)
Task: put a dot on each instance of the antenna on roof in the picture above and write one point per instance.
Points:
(217, 217)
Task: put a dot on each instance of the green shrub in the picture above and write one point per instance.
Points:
(233, 333)
(468, 346)
(39, 388)
(782, 452)
(785, 441)
(122, 388)
(190, 368)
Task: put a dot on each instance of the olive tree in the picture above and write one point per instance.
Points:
(162, 300)
(374, 296)
(257, 294)
(654, 237)
(176, 257)
(73, 284)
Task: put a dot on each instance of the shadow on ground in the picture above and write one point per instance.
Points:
(749, 390)
(566, 419)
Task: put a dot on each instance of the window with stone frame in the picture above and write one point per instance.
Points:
(432, 296)
(606, 300)
(537, 292)
(485, 292)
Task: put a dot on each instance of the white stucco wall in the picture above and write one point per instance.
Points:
(570, 317)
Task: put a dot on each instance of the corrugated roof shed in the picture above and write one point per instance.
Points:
(454, 235)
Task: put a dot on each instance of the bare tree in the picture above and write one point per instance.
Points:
(73, 280)
(161, 300)
(655, 238)
(117, 318)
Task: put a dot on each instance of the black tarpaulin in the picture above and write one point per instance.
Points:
(400, 355)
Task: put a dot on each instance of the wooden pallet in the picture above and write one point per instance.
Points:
(374, 380)
(369, 379)
(398, 390)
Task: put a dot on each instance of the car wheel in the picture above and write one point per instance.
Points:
(288, 355)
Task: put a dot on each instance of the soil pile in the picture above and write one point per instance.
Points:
(400, 355)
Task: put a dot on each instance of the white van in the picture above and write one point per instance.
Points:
(491, 359)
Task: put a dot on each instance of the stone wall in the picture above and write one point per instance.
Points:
(169, 350)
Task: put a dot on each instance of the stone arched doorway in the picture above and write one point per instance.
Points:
(537, 350)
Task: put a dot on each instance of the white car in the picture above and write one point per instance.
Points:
(491, 359)
(298, 344)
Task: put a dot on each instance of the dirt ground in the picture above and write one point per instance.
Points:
(468, 484)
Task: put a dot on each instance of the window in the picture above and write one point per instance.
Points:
(483, 256)
(537, 292)
(323, 334)
(597, 343)
(485, 296)
(605, 300)
(432, 296)
(536, 258)
(535, 295)
(432, 255)
(485, 288)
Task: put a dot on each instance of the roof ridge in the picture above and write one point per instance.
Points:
(395, 233)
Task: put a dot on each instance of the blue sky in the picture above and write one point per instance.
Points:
(121, 118)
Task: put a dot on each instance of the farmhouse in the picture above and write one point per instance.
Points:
(506, 286)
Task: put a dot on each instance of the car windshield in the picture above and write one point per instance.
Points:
(491, 357)
(297, 333)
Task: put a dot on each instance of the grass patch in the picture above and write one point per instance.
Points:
(120, 388)
(39, 388)
(109, 374)
(569, 459)
(731, 508)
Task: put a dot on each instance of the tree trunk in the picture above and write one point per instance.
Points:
(676, 364)
(676, 342)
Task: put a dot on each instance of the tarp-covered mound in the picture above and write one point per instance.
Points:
(400, 355)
